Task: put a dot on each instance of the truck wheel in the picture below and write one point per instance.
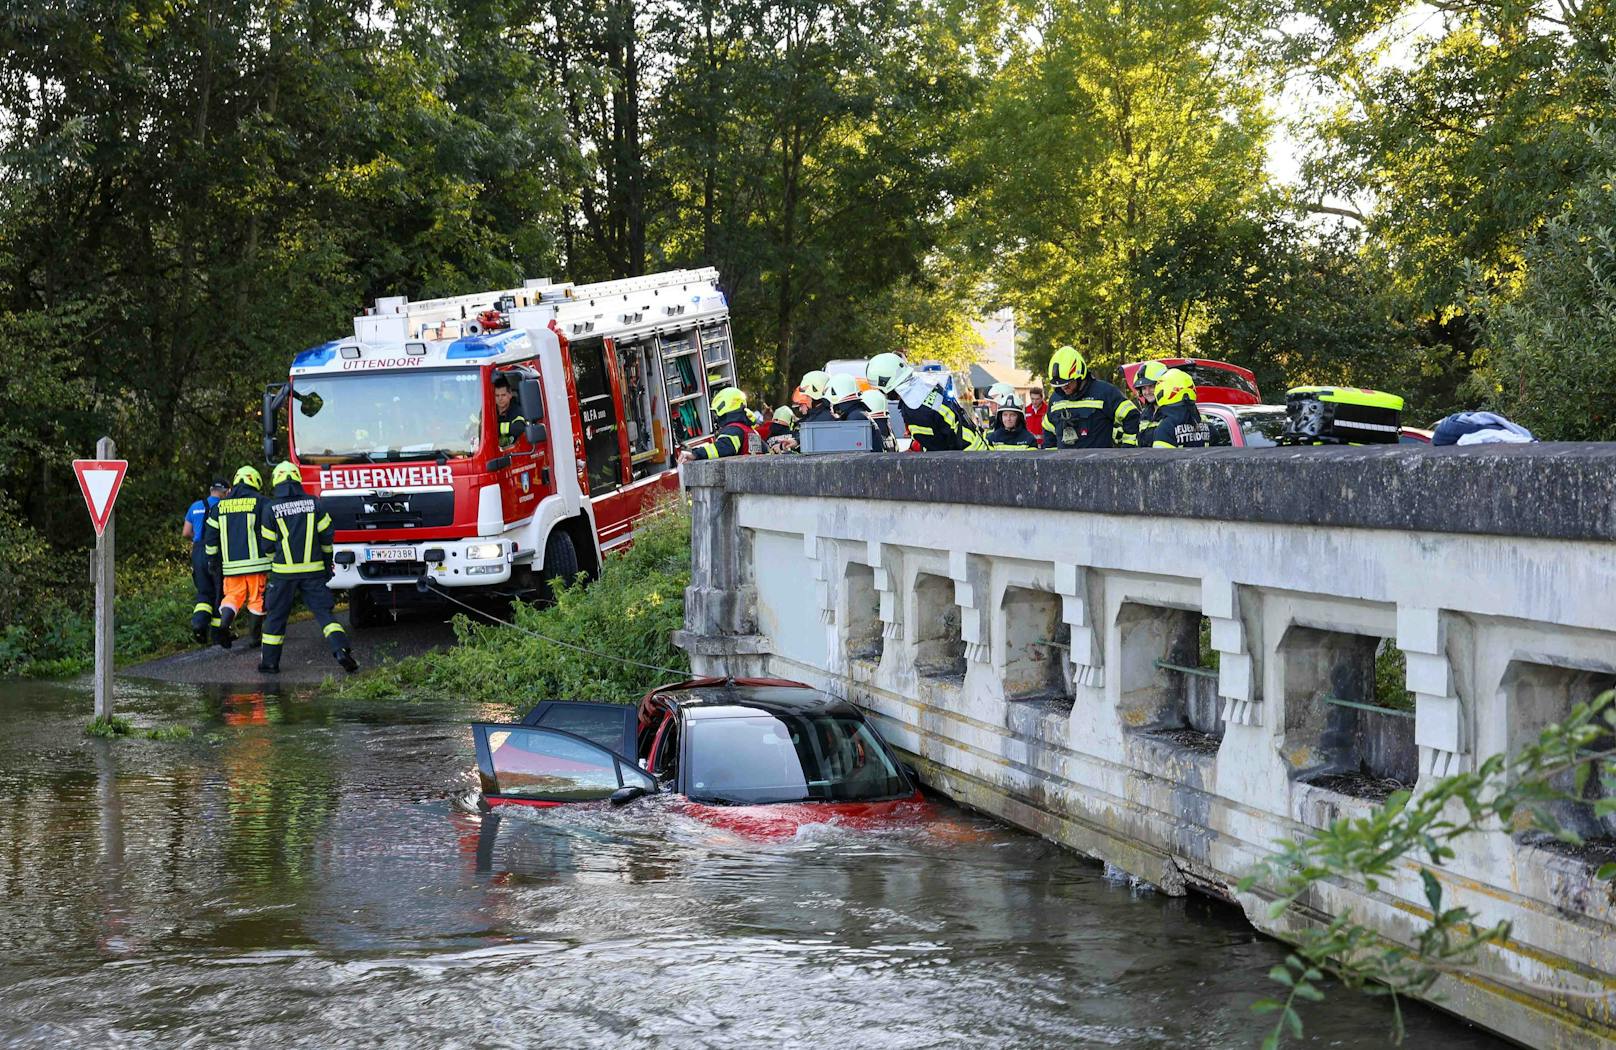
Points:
(364, 610)
(560, 561)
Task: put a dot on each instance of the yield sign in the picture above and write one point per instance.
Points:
(99, 480)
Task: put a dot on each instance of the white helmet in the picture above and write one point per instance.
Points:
(1004, 395)
(813, 384)
(888, 372)
(841, 389)
(875, 402)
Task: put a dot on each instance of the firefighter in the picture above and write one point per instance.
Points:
(813, 385)
(1009, 433)
(1144, 381)
(236, 556)
(783, 431)
(1178, 419)
(1085, 411)
(932, 420)
(509, 415)
(733, 434)
(844, 396)
(204, 613)
(875, 409)
(296, 531)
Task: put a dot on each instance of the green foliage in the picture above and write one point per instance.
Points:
(1419, 832)
(628, 614)
(1391, 678)
(1550, 340)
(52, 633)
(117, 727)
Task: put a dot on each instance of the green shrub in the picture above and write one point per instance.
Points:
(115, 727)
(630, 613)
(53, 632)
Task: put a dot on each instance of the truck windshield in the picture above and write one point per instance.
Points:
(385, 416)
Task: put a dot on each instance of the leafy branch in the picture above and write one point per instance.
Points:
(1516, 791)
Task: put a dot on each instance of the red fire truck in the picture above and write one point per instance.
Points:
(397, 429)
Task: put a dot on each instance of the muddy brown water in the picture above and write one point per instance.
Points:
(296, 874)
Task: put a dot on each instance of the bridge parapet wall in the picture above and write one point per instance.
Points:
(1167, 661)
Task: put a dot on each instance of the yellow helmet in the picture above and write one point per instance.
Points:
(728, 400)
(813, 384)
(1174, 386)
(285, 470)
(250, 476)
(1150, 372)
(886, 372)
(1066, 364)
(841, 389)
(783, 416)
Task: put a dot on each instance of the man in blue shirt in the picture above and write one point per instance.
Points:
(204, 614)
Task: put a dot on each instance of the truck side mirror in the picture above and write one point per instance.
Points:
(531, 395)
(536, 434)
(275, 395)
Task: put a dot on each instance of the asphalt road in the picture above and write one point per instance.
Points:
(305, 658)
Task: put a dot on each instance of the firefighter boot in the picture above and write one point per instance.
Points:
(199, 623)
(269, 660)
(255, 630)
(223, 637)
(345, 658)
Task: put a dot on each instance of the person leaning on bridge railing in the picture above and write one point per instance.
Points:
(1178, 422)
(1084, 410)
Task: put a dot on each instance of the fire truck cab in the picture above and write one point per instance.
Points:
(397, 429)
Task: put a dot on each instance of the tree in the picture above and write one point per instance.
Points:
(1108, 123)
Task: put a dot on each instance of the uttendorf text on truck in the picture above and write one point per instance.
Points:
(398, 429)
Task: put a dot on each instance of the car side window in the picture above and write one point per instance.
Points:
(1217, 430)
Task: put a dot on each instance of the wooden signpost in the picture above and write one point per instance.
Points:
(99, 481)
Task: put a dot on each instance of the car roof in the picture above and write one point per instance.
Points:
(739, 700)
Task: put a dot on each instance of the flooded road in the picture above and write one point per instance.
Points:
(295, 874)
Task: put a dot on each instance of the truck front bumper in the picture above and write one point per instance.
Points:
(447, 563)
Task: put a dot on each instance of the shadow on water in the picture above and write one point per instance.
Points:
(296, 872)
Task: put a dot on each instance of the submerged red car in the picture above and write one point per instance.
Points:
(762, 757)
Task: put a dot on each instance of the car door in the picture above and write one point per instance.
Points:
(530, 765)
(612, 726)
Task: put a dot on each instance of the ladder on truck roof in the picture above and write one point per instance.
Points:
(422, 314)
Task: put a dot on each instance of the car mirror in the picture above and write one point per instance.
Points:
(536, 434)
(531, 397)
(624, 795)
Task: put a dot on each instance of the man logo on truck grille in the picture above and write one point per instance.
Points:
(339, 478)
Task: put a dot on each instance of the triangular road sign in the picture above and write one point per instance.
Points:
(99, 480)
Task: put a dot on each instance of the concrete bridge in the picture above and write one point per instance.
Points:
(1169, 660)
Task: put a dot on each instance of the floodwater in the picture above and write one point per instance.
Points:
(296, 874)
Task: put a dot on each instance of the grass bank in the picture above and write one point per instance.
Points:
(53, 629)
(629, 613)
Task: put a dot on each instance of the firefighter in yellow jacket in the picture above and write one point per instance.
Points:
(236, 554)
(296, 532)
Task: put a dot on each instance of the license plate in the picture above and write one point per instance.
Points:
(389, 553)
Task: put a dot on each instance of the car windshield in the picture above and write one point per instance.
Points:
(790, 758)
(386, 416)
(1263, 430)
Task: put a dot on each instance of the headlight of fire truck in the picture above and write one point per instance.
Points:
(485, 551)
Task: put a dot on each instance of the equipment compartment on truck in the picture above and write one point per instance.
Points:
(1335, 415)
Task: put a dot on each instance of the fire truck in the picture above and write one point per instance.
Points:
(397, 429)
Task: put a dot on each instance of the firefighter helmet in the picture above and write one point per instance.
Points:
(886, 372)
(1066, 364)
(728, 400)
(1003, 395)
(784, 417)
(1174, 386)
(249, 476)
(875, 401)
(813, 384)
(285, 470)
(841, 389)
(1149, 374)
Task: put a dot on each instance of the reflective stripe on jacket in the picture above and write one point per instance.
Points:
(296, 531)
(1096, 416)
(232, 533)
